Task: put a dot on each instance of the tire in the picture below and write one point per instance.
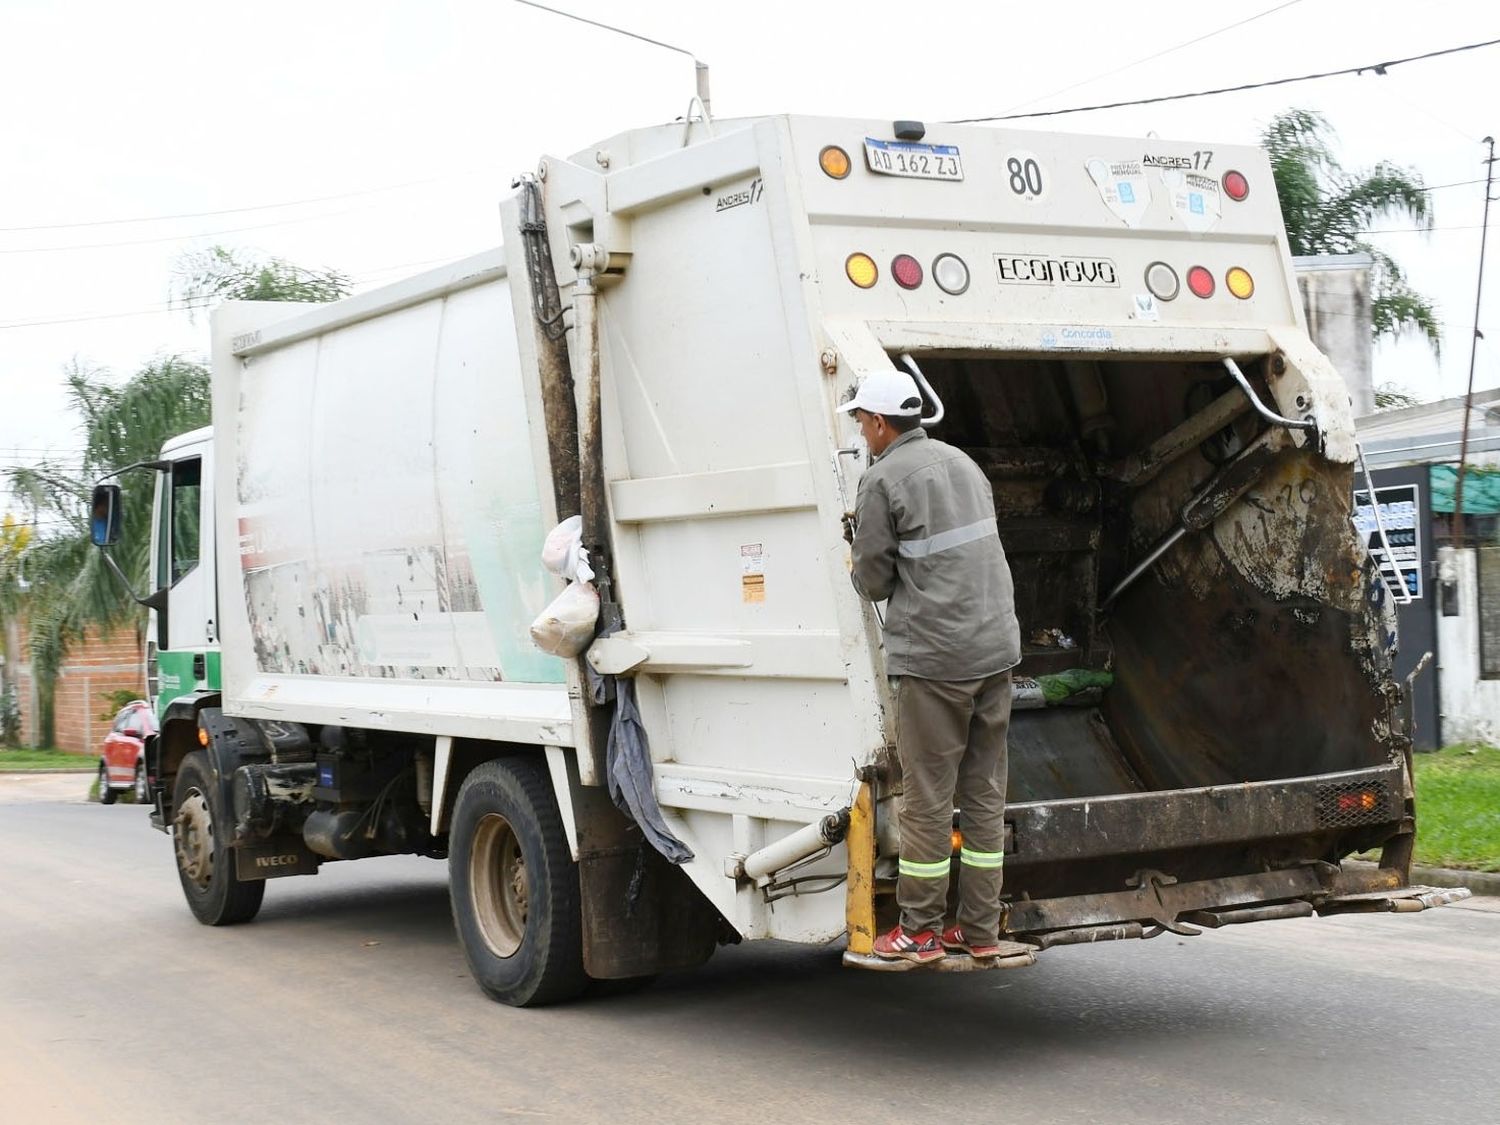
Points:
(142, 793)
(205, 864)
(107, 796)
(514, 886)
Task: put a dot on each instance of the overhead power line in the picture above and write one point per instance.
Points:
(253, 207)
(1376, 67)
(172, 306)
(1420, 230)
(90, 316)
(1157, 55)
(187, 237)
(1455, 183)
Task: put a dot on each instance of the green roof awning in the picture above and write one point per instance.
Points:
(1481, 489)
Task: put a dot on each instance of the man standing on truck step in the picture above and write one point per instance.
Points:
(925, 540)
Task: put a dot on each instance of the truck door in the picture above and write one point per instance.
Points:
(182, 563)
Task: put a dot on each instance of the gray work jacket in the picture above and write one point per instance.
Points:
(925, 538)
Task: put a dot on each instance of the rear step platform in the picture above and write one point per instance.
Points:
(1018, 955)
(1013, 955)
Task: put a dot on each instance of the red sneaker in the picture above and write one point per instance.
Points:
(953, 938)
(898, 945)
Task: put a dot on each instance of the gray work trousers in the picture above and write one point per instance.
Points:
(950, 739)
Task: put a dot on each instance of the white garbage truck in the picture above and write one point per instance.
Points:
(347, 565)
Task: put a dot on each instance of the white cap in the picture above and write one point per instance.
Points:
(889, 392)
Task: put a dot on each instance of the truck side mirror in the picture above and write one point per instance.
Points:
(104, 517)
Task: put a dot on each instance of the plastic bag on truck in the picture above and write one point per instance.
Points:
(563, 553)
(566, 627)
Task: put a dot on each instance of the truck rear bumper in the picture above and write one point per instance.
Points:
(1188, 819)
(1137, 864)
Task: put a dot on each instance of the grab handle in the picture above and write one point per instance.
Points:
(926, 387)
(1308, 424)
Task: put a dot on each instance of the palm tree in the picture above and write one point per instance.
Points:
(1329, 211)
(68, 587)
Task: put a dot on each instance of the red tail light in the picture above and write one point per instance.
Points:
(907, 271)
(1200, 281)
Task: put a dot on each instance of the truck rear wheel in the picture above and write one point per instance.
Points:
(515, 887)
(205, 863)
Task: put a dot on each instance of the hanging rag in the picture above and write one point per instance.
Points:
(627, 759)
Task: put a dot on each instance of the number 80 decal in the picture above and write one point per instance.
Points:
(1024, 175)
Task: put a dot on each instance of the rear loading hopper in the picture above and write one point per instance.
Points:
(1201, 732)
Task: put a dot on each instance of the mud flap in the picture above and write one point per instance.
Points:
(287, 855)
(641, 915)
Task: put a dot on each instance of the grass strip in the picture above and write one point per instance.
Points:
(30, 759)
(1458, 808)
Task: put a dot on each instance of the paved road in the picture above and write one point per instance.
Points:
(348, 1001)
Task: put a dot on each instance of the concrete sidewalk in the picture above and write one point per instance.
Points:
(24, 788)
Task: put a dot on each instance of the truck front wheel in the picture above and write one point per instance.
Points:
(515, 887)
(205, 864)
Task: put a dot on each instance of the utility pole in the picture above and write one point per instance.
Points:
(1463, 445)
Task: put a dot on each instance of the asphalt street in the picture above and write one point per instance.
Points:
(348, 1001)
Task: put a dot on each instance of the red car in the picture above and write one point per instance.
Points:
(122, 766)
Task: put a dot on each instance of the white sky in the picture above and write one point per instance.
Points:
(116, 111)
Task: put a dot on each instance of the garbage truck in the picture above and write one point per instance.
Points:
(346, 566)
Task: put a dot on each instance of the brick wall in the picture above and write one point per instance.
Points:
(95, 666)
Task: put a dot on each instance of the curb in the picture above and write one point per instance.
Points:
(1480, 882)
(47, 770)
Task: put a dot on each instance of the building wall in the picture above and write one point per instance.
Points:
(1470, 706)
(1335, 292)
(95, 666)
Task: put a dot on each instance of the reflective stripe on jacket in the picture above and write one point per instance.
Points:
(925, 538)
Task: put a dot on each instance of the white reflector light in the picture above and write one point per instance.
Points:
(949, 271)
(1161, 279)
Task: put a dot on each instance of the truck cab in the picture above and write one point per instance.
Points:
(182, 646)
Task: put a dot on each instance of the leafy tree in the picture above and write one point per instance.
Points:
(15, 537)
(205, 277)
(114, 701)
(1393, 396)
(1328, 211)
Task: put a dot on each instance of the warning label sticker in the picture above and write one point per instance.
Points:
(752, 573)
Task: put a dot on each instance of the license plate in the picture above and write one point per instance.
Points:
(917, 161)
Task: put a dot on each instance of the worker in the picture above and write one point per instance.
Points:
(925, 540)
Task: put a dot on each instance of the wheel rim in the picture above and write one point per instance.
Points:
(103, 781)
(140, 784)
(192, 831)
(498, 885)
